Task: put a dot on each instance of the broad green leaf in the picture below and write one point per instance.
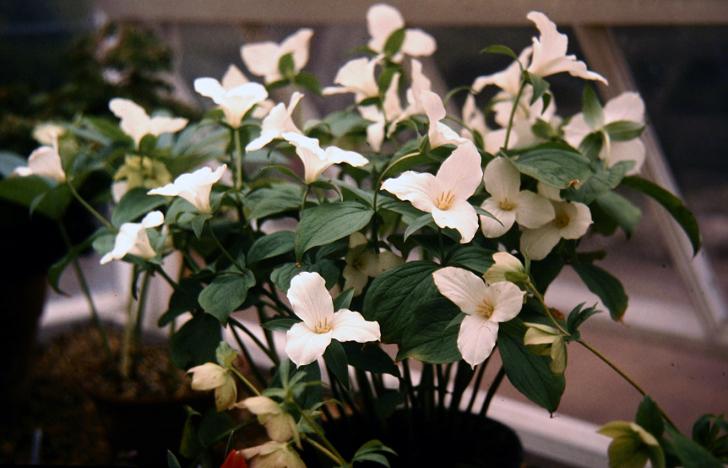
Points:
(308, 81)
(134, 204)
(394, 295)
(214, 427)
(620, 210)
(555, 166)
(623, 130)
(472, 257)
(282, 275)
(417, 224)
(577, 317)
(370, 357)
(649, 417)
(680, 213)
(427, 337)
(603, 180)
(183, 299)
(195, 342)
(225, 294)
(286, 65)
(50, 200)
(592, 108)
(335, 358)
(343, 300)
(273, 200)
(608, 288)
(394, 42)
(690, 453)
(330, 222)
(282, 323)
(528, 372)
(271, 245)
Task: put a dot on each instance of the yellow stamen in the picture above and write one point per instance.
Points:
(322, 326)
(445, 200)
(484, 309)
(562, 220)
(506, 205)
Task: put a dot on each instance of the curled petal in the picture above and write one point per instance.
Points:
(579, 220)
(351, 326)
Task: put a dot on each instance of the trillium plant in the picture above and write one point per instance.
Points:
(362, 269)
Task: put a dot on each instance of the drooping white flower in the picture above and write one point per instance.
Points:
(48, 133)
(278, 121)
(234, 102)
(132, 239)
(273, 454)
(356, 76)
(383, 20)
(508, 203)
(311, 301)
(419, 83)
(362, 263)
(233, 78)
(381, 119)
(493, 140)
(438, 133)
(194, 187)
(549, 52)
(503, 264)
(445, 194)
(210, 376)
(571, 221)
(316, 160)
(262, 58)
(136, 123)
(627, 106)
(44, 161)
(485, 307)
(279, 425)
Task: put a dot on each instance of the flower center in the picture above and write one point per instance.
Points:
(322, 326)
(506, 205)
(561, 220)
(484, 309)
(445, 200)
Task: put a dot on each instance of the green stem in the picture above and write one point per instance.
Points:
(513, 112)
(245, 380)
(317, 429)
(268, 334)
(90, 208)
(476, 384)
(238, 159)
(166, 276)
(248, 357)
(141, 308)
(224, 250)
(325, 451)
(492, 389)
(256, 340)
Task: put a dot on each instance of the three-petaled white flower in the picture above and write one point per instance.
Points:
(136, 123)
(311, 301)
(233, 78)
(485, 307)
(234, 102)
(445, 194)
(549, 52)
(381, 119)
(262, 58)
(277, 122)
(132, 239)
(504, 264)
(194, 187)
(508, 203)
(316, 160)
(383, 20)
(211, 376)
(44, 161)
(438, 133)
(356, 76)
(279, 425)
(571, 221)
(474, 121)
(625, 107)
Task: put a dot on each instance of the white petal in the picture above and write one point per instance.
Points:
(440, 134)
(476, 339)
(391, 105)
(549, 191)
(207, 376)
(503, 263)
(351, 326)
(461, 216)
(297, 45)
(233, 78)
(494, 140)
(509, 80)
(311, 154)
(492, 228)
(418, 43)
(382, 21)
(134, 120)
(260, 405)
(502, 179)
(418, 188)
(310, 300)
(262, 59)
(304, 346)
(462, 287)
(153, 219)
(210, 87)
(433, 106)
(537, 243)
(576, 130)
(226, 394)
(579, 219)
(627, 106)
(336, 155)
(356, 76)
(375, 135)
(461, 172)
(46, 162)
(532, 210)
(419, 81)
(506, 299)
(632, 150)
(159, 125)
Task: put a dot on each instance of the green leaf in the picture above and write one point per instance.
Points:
(555, 166)
(394, 295)
(620, 210)
(273, 200)
(57, 269)
(309, 82)
(529, 373)
(540, 86)
(690, 453)
(195, 342)
(183, 299)
(577, 317)
(335, 358)
(604, 180)
(172, 461)
(649, 417)
(680, 213)
(499, 49)
(271, 245)
(330, 222)
(134, 204)
(428, 338)
(225, 294)
(417, 224)
(370, 357)
(283, 323)
(623, 130)
(472, 257)
(394, 42)
(608, 288)
(592, 108)
(281, 276)
(627, 451)
(214, 427)
(343, 300)
(52, 200)
(286, 65)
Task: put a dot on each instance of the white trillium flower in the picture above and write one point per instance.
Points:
(571, 221)
(627, 106)
(44, 161)
(194, 187)
(233, 78)
(311, 301)
(279, 425)
(262, 58)
(357, 77)
(503, 263)
(438, 133)
(485, 307)
(234, 102)
(278, 122)
(383, 20)
(48, 133)
(210, 376)
(391, 110)
(136, 123)
(273, 454)
(493, 140)
(132, 239)
(316, 160)
(508, 80)
(549, 52)
(508, 203)
(445, 194)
